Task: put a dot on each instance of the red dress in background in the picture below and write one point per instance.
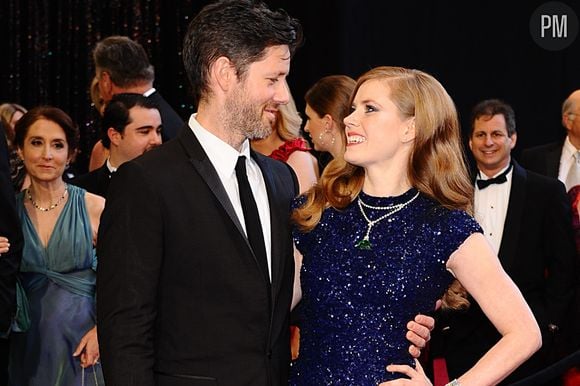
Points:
(574, 195)
(283, 152)
(572, 377)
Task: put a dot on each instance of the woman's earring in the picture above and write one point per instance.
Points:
(324, 135)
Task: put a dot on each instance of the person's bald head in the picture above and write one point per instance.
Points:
(571, 117)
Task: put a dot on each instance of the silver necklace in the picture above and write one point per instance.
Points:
(365, 242)
(51, 207)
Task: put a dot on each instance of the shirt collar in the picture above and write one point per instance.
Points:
(222, 156)
(149, 92)
(568, 149)
(111, 168)
(483, 176)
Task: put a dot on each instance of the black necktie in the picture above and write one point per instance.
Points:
(251, 216)
(482, 184)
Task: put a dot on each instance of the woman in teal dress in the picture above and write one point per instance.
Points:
(54, 336)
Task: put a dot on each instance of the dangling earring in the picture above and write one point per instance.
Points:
(323, 135)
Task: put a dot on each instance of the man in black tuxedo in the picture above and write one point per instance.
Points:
(526, 218)
(195, 250)
(131, 126)
(561, 160)
(10, 260)
(183, 297)
(122, 66)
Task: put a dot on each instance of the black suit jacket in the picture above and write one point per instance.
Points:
(9, 227)
(96, 181)
(181, 298)
(537, 241)
(172, 122)
(544, 160)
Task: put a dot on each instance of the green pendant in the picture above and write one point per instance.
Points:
(364, 244)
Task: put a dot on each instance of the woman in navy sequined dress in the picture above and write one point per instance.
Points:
(385, 234)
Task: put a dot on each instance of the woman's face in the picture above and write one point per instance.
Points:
(375, 130)
(318, 129)
(45, 150)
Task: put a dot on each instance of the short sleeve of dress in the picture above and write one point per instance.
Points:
(451, 230)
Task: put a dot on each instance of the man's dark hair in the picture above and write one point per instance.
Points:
(240, 30)
(124, 60)
(116, 114)
(491, 107)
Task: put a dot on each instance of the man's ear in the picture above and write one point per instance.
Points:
(223, 73)
(114, 136)
(514, 139)
(105, 86)
(566, 121)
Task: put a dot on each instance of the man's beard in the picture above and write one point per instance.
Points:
(245, 118)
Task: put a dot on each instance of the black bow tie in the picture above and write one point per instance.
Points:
(482, 184)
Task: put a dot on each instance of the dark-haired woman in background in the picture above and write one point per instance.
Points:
(327, 104)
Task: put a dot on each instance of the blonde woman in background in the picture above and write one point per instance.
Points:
(287, 145)
(10, 114)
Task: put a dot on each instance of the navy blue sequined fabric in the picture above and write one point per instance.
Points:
(356, 303)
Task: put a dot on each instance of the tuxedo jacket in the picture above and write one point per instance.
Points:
(96, 181)
(181, 297)
(537, 251)
(9, 227)
(171, 121)
(544, 160)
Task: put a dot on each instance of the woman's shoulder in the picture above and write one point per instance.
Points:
(95, 204)
(441, 216)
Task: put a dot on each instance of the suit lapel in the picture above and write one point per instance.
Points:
(202, 164)
(204, 167)
(513, 219)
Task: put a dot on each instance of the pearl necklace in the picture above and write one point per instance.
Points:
(365, 242)
(51, 207)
